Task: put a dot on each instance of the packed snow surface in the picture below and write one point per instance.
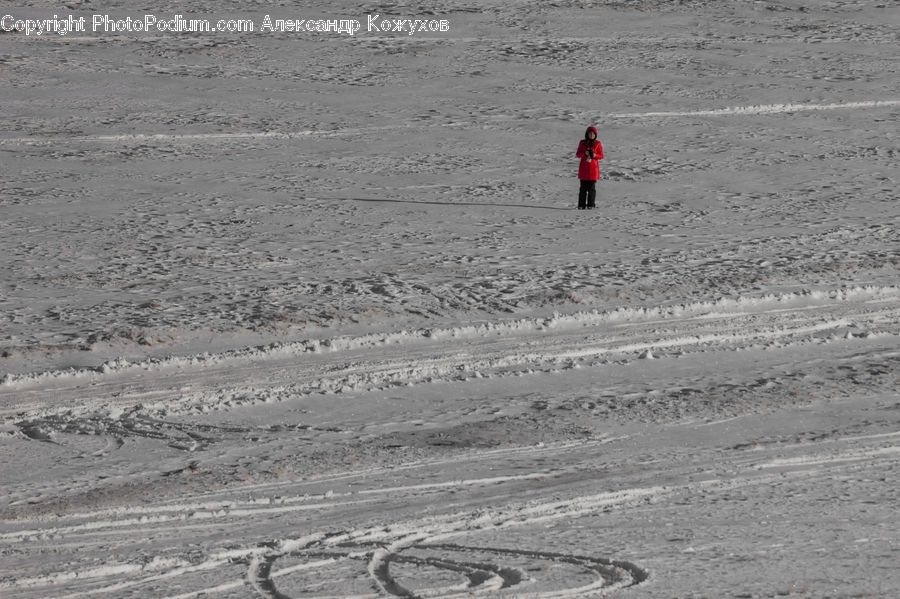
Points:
(298, 314)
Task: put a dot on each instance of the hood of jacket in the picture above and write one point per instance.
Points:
(589, 129)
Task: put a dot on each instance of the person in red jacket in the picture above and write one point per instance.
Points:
(591, 153)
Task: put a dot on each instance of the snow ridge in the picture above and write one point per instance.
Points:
(722, 308)
(523, 347)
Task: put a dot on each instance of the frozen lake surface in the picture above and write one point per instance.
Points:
(295, 315)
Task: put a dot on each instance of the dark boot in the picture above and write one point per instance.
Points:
(583, 195)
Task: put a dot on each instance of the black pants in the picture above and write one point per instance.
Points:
(587, 194)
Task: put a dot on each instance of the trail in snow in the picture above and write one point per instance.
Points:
(498, 349)
(759, 109)
(762, 109)
(447, 555)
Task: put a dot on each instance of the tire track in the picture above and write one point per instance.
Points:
(499, 349)
(418, 545)
(451, 555)
(378, 549)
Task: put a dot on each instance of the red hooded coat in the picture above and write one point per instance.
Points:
(589, 170)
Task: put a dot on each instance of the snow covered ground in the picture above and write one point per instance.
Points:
(306, 314)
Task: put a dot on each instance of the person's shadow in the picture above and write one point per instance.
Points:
(461, 204)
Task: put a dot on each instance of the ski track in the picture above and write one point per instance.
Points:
(762, 109)
(752, 110)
